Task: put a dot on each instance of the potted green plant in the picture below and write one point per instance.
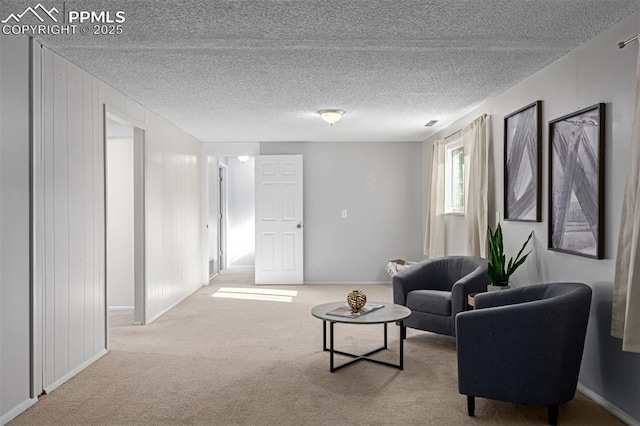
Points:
(500, 271)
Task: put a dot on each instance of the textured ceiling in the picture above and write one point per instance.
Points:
(259, 70)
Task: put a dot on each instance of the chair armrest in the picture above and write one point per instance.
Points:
(509, 296)
(476, 281)
(497, 298)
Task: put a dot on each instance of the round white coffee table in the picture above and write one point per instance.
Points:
(389, 313)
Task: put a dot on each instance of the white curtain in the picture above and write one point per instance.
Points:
(434, 227)
(625, 321)
(475, 138)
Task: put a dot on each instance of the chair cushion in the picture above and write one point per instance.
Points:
(431, 301)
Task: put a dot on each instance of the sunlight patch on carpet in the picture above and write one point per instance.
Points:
(271, 295)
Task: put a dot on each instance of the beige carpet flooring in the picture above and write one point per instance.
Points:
(219, 361)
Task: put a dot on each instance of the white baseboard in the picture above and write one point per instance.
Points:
(17, 410)
(608, 406)
(173, 305)
(75, 371)
(120, 308)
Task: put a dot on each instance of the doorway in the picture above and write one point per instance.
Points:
(212, 217)
(238, 209)
(125, 237)
(231, 183)
(222, 217)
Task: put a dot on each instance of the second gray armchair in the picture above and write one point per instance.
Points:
(436, 290)
(524, 345)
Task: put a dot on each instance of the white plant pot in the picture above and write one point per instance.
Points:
(492, 287)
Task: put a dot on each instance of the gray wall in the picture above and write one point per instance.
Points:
(14, 227)
(596, 71)
(384, 219)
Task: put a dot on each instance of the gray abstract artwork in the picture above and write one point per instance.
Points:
(575, 183)
(521, 165)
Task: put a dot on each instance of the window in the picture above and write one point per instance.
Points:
(454, 177)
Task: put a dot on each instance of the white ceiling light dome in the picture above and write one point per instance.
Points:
(331, 115)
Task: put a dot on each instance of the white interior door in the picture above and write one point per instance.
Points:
(279, 225)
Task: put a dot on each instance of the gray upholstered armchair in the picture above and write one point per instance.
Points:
(524, 345)
(436, 291)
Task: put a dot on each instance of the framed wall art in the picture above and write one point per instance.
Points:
(576, 182)
(522, 164)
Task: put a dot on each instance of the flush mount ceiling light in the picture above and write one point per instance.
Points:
(331, 115)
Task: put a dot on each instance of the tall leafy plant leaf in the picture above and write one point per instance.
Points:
(499, 270)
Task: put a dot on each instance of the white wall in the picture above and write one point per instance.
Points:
(596, 71)
(15, 344)
(69, 306)
(384, 222)
(120, 222)
(73, 213)
(172, 214)
(240, 213)
(212, 204)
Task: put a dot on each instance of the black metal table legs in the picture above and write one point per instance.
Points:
(364, 357)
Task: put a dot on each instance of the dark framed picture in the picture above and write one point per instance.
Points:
(522, 164)
(576, 182)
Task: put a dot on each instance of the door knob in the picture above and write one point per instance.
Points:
(298, 226)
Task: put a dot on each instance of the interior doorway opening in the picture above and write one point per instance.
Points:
(222, 216)
(228, 214)
(238, 212)
(125, 236)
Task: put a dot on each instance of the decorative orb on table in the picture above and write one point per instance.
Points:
(356, 300)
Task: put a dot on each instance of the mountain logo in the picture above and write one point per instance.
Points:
(34, 11)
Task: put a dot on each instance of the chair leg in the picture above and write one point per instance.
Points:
(553, 414)
(471, 405)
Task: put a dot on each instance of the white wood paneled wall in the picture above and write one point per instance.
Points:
(67, 198)
(172, 215)
(73, 214)
(15, 342)
(74, 323)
